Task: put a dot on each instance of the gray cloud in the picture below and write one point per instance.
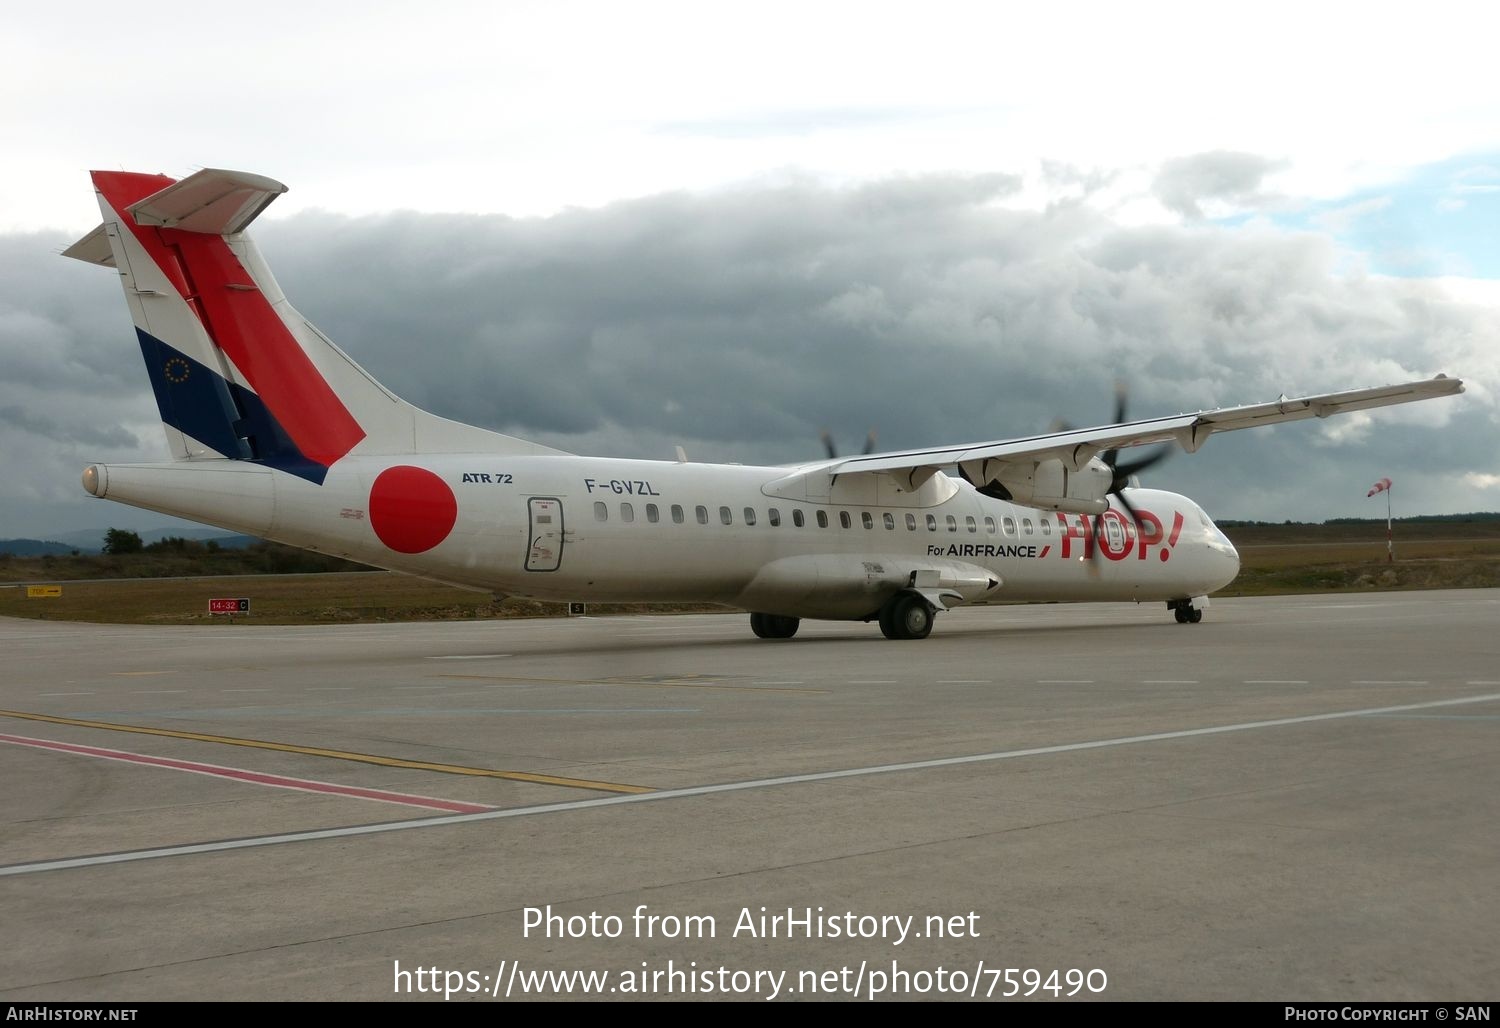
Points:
(1184, 183)
(740, 323)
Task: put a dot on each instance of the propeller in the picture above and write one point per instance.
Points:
(1122, 474)
(833, 452)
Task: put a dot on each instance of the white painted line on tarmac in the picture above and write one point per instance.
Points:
(101, 859)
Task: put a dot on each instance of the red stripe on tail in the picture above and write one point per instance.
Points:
(241, 322)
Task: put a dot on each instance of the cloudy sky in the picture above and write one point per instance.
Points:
(622, 228)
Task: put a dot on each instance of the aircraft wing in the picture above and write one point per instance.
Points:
(1075, 447)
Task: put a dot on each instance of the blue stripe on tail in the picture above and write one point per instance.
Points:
(201, 403)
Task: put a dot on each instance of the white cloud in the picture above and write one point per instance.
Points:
(1339, 220)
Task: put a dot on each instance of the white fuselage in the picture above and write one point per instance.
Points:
(601, 529)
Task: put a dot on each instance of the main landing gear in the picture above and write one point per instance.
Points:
(1188, 612)
(774, 626)
(906, 616)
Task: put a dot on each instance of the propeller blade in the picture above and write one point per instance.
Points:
(832, 450)
(1135, 467)
(1150, 460)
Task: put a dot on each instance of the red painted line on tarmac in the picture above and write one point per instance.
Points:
(254, 777)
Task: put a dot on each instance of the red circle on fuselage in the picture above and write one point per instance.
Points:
(411, 509)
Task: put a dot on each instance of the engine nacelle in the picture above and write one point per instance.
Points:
(1048, 484)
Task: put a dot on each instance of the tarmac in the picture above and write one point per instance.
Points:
(1296, 800)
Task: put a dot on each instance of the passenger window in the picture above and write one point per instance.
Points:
(749, 515)
(844, 518)
(867, 519)
(797, 519)
(726, 516)
(890, 522)
(952, 523)
(1046, 527)
(1010, 526)
(652, 514)
(677, 518)
(932, 522)
(601, 511)
(702, 513)
(970, 525)
(822, 519)
(989, 525)
(911, 522)
(1026, 525)
(627, 512)
(774, 517)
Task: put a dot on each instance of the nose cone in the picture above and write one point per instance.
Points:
(1226, 562)
(1223, 558)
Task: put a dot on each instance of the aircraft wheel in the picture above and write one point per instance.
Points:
(774, 626)
(907, 616)
(1194, 616)
(782, 627)
(1181, 614)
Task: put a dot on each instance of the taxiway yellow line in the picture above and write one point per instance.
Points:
(317, 751)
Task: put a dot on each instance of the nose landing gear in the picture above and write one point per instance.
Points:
(1189, 611)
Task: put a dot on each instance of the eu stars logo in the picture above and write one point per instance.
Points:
(177, 370)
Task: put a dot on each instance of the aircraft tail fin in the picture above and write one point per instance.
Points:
(237, 372)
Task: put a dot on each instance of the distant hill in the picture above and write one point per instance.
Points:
(37, 548)
(1415, 519)
(1422, 519)
(91, 540)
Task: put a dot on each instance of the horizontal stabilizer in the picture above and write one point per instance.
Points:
(93, 249)
(212, 201)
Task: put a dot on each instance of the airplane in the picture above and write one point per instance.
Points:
(275, 432)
